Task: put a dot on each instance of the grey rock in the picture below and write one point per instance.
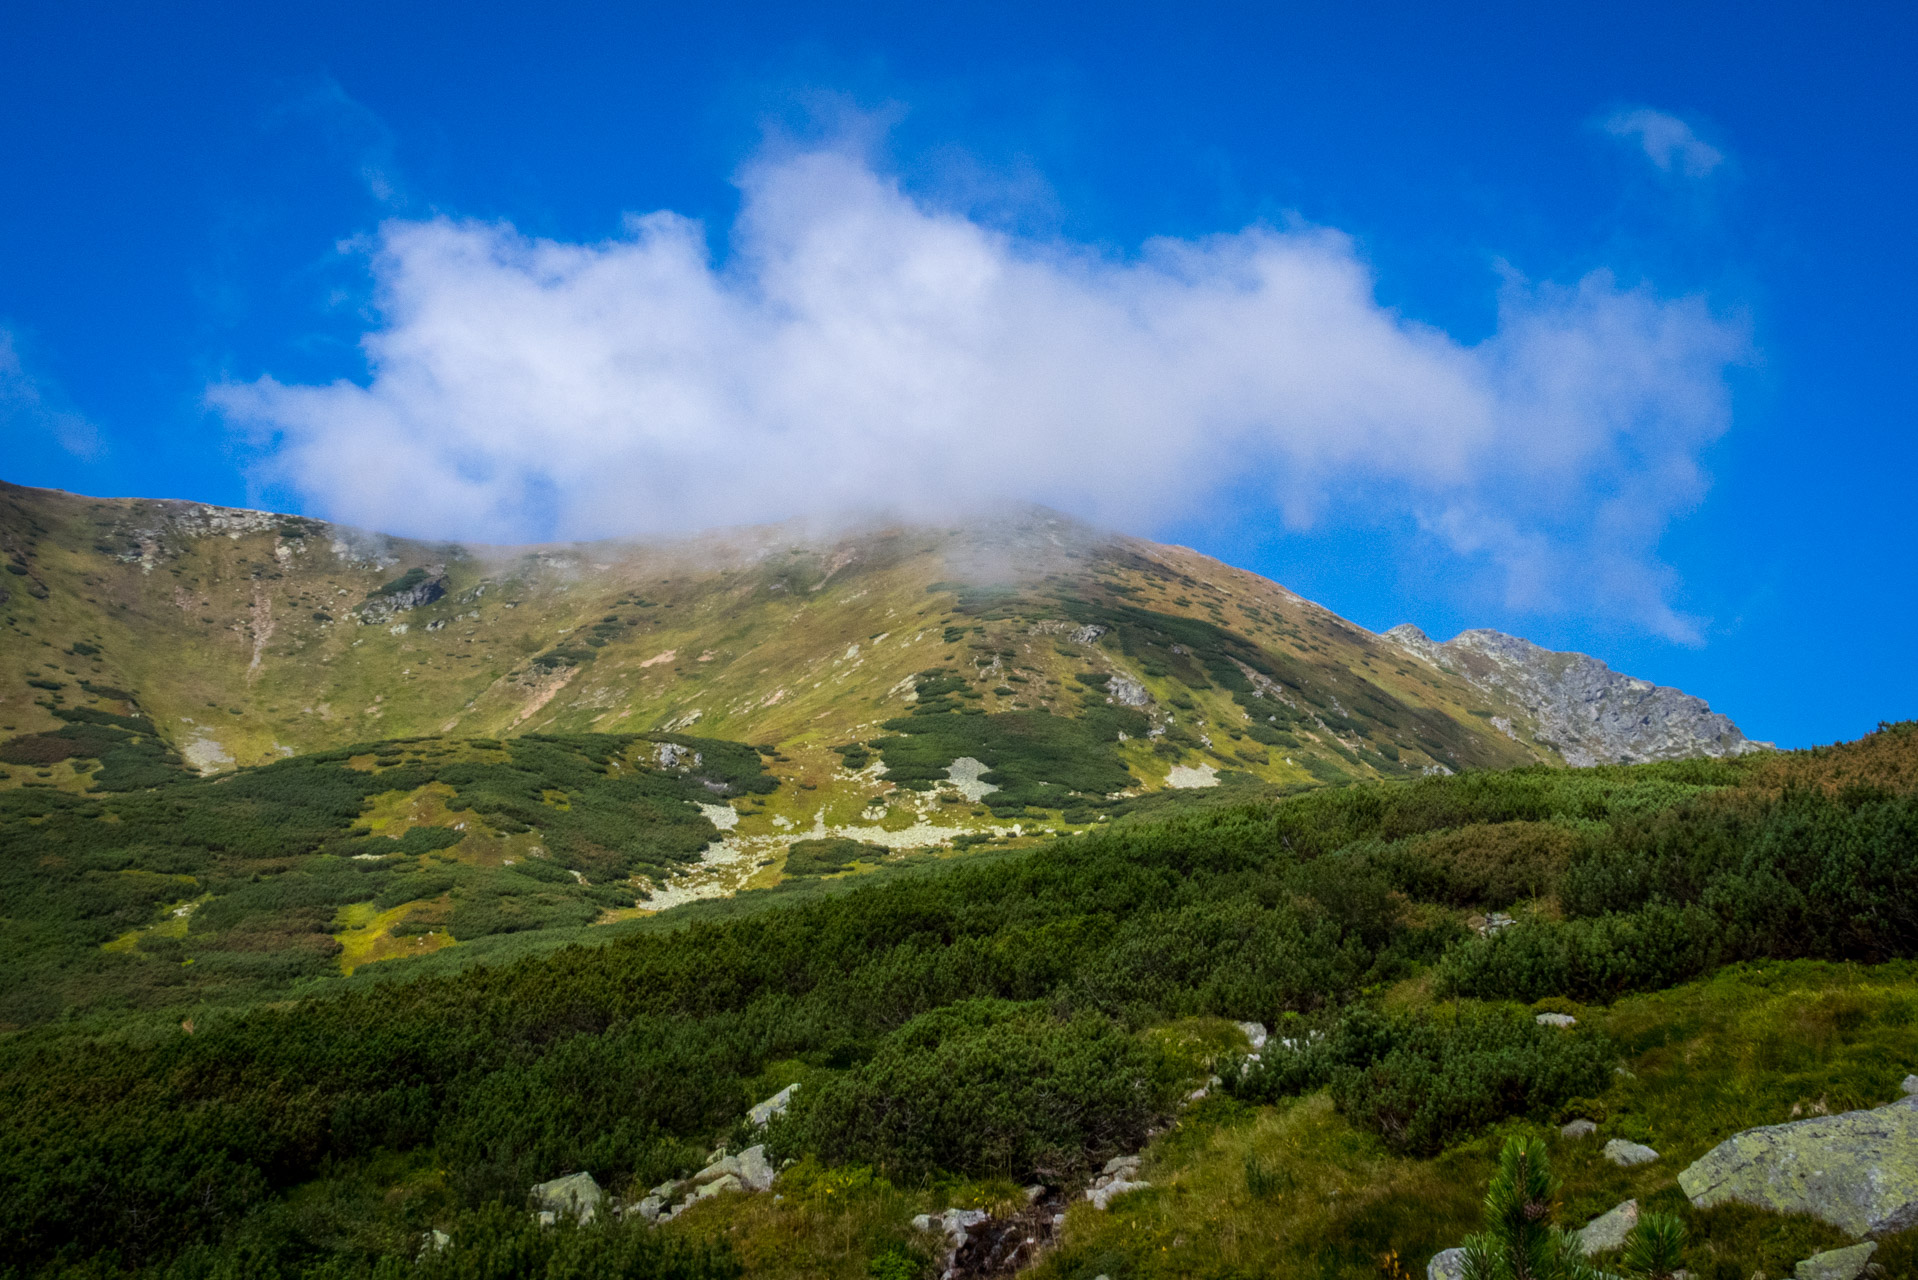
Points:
(434, 1241)
(1446, 1265)
(1102, 1196)
(730, 1182)
(1578, 1129)
(755, 1171)
(1608, 1230)
(576, 1194)
(379, 608)
(1627, 1154)
(724, 1167)
(671, 755)
(773, 1106)
(1127, 692)
(1580, 707)
(1035, 1192)
(1556, 1020)
(650, 1207)
(1836, 1264)
(665, 1189)
(1908, 1086)
(1857, 1170)
(1255, 1034)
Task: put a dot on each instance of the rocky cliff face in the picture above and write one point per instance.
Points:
(1578, 706)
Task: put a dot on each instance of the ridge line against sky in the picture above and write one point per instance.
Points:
(1574, 325)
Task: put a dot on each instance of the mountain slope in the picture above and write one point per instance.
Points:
(1589, 713)
(247, 636)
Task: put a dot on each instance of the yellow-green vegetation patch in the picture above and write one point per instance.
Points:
(366, 934)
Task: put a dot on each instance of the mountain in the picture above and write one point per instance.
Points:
(1577, 705)
(245, 637)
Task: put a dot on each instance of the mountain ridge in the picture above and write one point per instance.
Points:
(251, 635)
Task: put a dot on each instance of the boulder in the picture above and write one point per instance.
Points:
(755, 1171)
(730, 1182)
(1627, 1154)
(1448, 1265)
(1560, 1020)
(576, 1194)
(1836, 1264)
(1255, 1034)
(1857, 1170)
(723, 1167)
(1578, 1129)
(650, 1207)
(1608, 1230)
(1908, 1086)
(1122, 1165)
(434, 1241)
(773, 1106)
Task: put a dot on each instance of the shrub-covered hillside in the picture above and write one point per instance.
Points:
(1022, 1018)
(250, 884)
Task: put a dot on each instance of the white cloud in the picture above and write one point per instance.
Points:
(858, 349)
(1668, 141)
(30, 405)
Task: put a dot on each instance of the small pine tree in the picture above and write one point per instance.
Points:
(1520, 1241)
(1656, 1247)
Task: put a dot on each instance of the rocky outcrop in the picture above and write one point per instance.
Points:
(1578, 706)
(1116, 1180)
(1857, 1170)
(413, 589)
(763, 1113)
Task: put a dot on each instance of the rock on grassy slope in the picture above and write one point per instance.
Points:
(246, 636)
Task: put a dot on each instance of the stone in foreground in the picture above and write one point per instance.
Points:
(576, 1194)
(1578, 1129)
(1449, 1265)
(1836, 1264)
(1857, 1170)
(1626, 1154)
(1608, 1230)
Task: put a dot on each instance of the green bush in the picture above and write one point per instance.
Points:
(993, 1089)
(1422, 1083)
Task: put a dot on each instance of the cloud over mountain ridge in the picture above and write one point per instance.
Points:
(856, 348)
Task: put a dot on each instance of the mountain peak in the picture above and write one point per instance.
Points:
(1589, 713)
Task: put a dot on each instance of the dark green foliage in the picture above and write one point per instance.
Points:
(273, 853)
(830, 855)
(992, 1088)
(1034, 758)
(1665, 896)
(1520, 1240)
(1421, 1083)
(563, 656)
(80, 649)
(984, 1015)
(854, 755)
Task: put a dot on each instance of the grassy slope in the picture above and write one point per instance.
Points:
(209, 616)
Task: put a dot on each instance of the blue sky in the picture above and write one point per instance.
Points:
(1589, 323)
